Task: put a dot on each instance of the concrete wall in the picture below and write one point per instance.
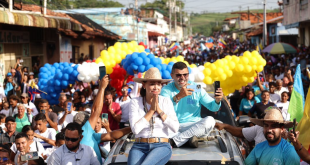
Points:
(293, 14)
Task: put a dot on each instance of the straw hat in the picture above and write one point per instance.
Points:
(272, 115)
(152, 74)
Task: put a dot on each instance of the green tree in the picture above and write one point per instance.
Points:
(162, 4)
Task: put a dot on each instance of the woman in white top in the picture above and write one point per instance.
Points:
(283, 105)
(150, 117)
(28, 104)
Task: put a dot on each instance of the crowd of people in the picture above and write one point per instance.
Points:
(90, 117)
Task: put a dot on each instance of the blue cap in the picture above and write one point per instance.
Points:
(9, 74)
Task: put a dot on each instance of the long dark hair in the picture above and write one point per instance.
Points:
(143, 91)
(249, 90)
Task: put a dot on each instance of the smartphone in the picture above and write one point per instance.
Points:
(43, 111)
(30, 156)
(21, 60)
(102, 72)
(69, 106)
(294, 131)
(217, 85)
(104, 117)
(197, 87)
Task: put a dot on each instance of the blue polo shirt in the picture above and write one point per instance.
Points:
(283, 153)
(246, 105)
(188, 108)
(91, 139)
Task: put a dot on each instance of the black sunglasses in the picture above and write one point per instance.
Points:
(179, 75)
(72, 139)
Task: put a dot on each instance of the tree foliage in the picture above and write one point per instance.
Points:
(162, 4)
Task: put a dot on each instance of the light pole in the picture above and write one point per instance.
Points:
(264, 26)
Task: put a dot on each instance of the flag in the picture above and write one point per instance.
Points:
(297, 100)
(222, 43)
(303, 125)
(174, 46)
(236, 49)
(34, 90)
(203, 47)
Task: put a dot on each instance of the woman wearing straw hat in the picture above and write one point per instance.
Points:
(275, 150)
(150, 117)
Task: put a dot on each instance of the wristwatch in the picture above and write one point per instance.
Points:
(175, 99)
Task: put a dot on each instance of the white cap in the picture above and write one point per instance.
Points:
(31, 73)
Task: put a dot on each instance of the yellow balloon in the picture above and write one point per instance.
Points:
(123, 54)
(118, 59)
(231, 64)
(219, 71)
(239, 68)
(207, 64)
(247, 69)
(244, 79)
(193, 66)
(222, 77)
(253, 61)
(162, 59)
(174, 59)
(134, 43)
(208, 80)
(212, 67)
(130, 46)
(228, 58)
(104, 53)
(244, 60)
(260, 68)
(113, 62)
(141, 48)
(224, 61)
(187, 64)
(255, 53)
(129, 51)
(247, 54)
(124, 46)
(109, 70)
(235, 59)
(254, 67)
(117, 45)
(180, 58)
(107, 64)
(111, 50)
(207, 72)
(219, 63)
(229, 73)
(98, 60)
(106, 58)
(251, 79)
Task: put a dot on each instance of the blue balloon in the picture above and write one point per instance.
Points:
(148, 50)
(76, 66)
(58, 75)
(142, 55)
(41, 75)
(141, 68)
(65, 77)
(159, 61)
(56, 65)
(65, 64)
(47, 65)
(57, 88)
(189, 70)
(151, 56)
(158, 66)
(169, 68)
(126, 65)
(57, 83)
(75, 73)
(171, 63)
(139, 61)
(61, 67)
(146, 61)
(43, 69)
(149, 66)
(134, 67)
(163, 67)
(130, 70)
(53, 95)
(166, 75)
(64, 83)
(154, 61)
(69, 69)
(134, 56)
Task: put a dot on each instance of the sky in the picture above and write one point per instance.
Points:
(216, 5)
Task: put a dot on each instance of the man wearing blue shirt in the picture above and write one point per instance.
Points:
(88, 123)
(187, 105)
(275, 150)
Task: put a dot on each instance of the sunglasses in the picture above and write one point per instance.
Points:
(123, 90)
(72, 139)
(4, 159)
(179, 75)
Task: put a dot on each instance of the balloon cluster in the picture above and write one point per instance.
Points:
(142, 62)
(54, 78)
(117, 78)
(88, 72)
(234, 72)
(197, 74)
(116, 53)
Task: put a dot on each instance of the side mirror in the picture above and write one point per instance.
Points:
(244, 120)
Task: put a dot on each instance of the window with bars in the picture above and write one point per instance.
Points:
(303, 4)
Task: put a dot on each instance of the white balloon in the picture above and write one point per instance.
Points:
(199, 77)
(201, 68)
(80, 77)
(191, 77)
(101, 64)
(94, 78)
(80, 68)
(87, 79)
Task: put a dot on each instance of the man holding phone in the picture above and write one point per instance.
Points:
(65, 117)
(50, 116)
(23, 147)
(187, 105)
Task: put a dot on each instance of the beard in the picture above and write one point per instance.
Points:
(272, 140)
(74, 147)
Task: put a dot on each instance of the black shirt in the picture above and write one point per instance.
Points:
(260, 108)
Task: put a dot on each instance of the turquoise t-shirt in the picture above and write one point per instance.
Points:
(20, 123)
(283, 153)
(188, 108)
(257, 91)
(246, 104)
(91, 139)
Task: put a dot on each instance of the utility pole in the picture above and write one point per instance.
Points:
(248, 13)
(264, 27)
(175, 17)
(181, 19)
(169, 20)
(137, 13)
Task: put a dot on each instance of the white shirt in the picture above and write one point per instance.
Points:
(33, 148)
(2, 94)
(33, 107)
(49, 133)
(284, 110)
(254, 133)
(6, 112)
(125, 106)
(2, 125)
(279, 92)
(85, 155)
(13, 111)
(274, 97)
(141, 127)
(106, 145)
(68, 119)
(280, 77)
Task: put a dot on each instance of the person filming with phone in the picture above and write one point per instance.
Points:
(187, 105)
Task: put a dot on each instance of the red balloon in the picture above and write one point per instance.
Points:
(88, 61)
(145, 46)
(141, 43)
(94, 60)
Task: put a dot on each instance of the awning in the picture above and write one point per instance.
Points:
(254, 33)
(33, 20)
(155, 34)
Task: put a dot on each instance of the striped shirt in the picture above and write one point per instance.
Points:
(49, 133)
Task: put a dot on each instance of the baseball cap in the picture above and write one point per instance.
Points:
(9, 118)
(81, 118)
(9, 74)
(31, 73)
